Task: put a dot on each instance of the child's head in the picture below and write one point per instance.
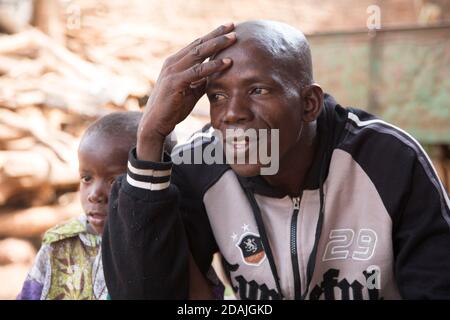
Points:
(102, 156)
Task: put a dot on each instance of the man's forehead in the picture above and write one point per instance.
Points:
(265, 40)
(249, 64)
(247, 48)
(253, 61)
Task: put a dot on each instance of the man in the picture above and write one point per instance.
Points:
(354, 211)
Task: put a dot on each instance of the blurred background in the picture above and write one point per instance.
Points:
(63, 63)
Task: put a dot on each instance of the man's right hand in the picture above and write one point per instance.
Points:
(180, 85)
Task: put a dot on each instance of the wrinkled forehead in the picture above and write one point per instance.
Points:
(252, 57)
(254, 46)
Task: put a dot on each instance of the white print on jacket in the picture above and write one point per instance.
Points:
(356, 206)
(341, 240)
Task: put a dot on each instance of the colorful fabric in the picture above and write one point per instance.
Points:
(68, 265)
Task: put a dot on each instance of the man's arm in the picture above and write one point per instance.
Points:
(145, 249)
(422, 237)
(181, 83)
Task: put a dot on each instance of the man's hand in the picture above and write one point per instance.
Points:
(180, 85)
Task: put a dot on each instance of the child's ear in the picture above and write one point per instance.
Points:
(312, 102)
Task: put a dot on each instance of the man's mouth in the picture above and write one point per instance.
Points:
(239, 143)
(240, 146)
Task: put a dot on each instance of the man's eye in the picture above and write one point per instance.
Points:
(260, 91)
(86, 179)
(216, 97)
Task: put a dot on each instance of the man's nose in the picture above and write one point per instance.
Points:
(238, 111)
(99, 193)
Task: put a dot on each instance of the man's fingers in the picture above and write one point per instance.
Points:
(203, 51)
(198, 90)
(198, 83)
(203, 70)
(224, 29)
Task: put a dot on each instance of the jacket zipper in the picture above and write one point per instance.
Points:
(294, 254)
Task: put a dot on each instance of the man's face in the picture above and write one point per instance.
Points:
(101, 161)
(257, 92)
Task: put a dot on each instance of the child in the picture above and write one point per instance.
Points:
(69, 264)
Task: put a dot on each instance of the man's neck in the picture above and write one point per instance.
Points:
(295, 165)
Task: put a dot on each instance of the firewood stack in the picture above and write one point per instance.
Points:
(50, 90)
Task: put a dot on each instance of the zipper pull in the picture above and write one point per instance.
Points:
(296, 201)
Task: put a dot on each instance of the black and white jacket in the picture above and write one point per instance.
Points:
(372, 223)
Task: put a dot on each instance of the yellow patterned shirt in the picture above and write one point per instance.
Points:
(68, 265)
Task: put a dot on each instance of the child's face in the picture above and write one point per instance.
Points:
(101, 161)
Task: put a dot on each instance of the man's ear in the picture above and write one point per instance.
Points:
(312, 102)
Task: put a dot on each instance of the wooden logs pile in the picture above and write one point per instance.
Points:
(48, 95)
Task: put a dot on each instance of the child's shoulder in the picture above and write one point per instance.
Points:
(69, 229)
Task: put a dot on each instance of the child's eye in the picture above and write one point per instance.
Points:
(215, 97)
(260, 91)
(86, 179)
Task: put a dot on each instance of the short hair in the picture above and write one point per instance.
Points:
(123, 125)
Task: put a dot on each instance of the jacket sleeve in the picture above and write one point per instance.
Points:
(422, 236)
(144, 246)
